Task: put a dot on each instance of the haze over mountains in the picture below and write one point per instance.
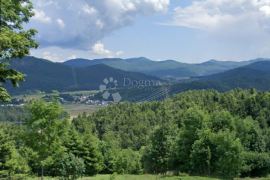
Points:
(81, 74)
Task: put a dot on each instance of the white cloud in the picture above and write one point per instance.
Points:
(89, 10)
(266, 10)
(119, 53)
(99, 49)
(87, 22)
(46, 53)
(99, 24)
(61, 23)
(211, 14)
(52, 57)
(41, 16)
(43, 4)
(72, 57)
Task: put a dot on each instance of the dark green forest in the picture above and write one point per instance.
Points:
(163, 68)
(12, 114)
(44, 75)
(204, 133)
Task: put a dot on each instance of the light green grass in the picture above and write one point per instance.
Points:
(81, 92)
(135, 177)
(29, 97)
(149, 177)
(73, 109)
(76, 109)
(39, 96)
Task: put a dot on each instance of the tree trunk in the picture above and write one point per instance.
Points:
(42, 172)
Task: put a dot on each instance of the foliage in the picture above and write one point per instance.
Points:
(11, 162)
(14, 41)
(12, 114)
(68, 166)
(46, 127)
(203, 133)
(127, 162)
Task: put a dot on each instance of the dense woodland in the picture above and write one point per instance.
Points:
(44, 75)
(202, 133)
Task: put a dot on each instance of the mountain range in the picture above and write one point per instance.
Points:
(45, 75)
(83, 74)
(255, 75)
(164, 68)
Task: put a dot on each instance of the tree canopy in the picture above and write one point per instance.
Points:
(14, 41)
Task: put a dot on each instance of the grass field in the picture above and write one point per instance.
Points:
(73, 109)
(38, 96)
(148, 177)
(76, 109)
(81, 92)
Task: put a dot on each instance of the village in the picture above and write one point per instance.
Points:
(89, 100)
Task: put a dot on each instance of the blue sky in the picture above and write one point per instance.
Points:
(190, 31)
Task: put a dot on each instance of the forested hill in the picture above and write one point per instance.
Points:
(163, 68)
(45, 75)
(197, 132)
(257, 69)
(256, 74)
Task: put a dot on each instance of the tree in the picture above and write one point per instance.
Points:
(128, 162)
(91, 155)
(68, 166)
(192, 122)
(11, 162)
(218, 154)
(14, 41)
(46, 129)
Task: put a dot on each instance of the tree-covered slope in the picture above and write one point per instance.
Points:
(163, 68)
(257, 69)
(45, 75)
(254, 75)
(197, 132)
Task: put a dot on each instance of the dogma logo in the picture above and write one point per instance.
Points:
(105, 88)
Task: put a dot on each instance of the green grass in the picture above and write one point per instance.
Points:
(148, 177)
(81, 92)
(76, 109)
(135, 177)
(38, 96)
(73, 109)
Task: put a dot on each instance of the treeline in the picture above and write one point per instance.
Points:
(202, 133)
(12, 114)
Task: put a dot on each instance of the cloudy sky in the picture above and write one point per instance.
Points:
(183, 30)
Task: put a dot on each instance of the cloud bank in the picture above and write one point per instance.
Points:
(82, 23)
(213, 14)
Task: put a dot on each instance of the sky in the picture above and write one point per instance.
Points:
(190, 31)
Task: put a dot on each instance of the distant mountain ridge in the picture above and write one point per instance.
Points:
(164, 68)
(256, 69)
(255, 75)
(45, 75)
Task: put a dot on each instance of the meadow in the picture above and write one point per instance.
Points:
(76, 109)
(73, 109)
(149, 177)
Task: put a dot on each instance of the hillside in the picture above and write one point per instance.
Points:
(256, 74)
(45, 75)
(257, 69)
(163, 68)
